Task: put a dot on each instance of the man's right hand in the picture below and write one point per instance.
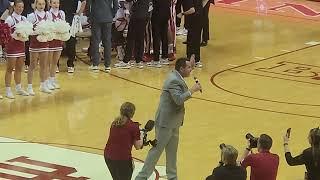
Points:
(195, 88)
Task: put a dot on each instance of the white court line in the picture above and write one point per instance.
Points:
(233, 65)
(312, 43)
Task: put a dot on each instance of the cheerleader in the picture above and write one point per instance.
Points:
(55, 46)
(15, 52)
(38, 50)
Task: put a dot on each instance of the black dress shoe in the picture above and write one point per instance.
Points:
(204, 43)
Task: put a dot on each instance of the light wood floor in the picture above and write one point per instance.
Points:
(243, 92)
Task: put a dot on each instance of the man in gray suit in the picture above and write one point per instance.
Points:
(169, 118)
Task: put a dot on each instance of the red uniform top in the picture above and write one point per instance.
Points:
(121, 140)
(264, 165)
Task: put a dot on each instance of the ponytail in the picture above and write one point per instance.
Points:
(127, 111)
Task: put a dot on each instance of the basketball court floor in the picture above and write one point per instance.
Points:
(261, 74)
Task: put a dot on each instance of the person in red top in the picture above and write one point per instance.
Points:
(264, 165)
(124, 133)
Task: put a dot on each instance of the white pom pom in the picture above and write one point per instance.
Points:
(65, 37)
(22, 31)
(42, 38)
(45, 29)
(61, 30)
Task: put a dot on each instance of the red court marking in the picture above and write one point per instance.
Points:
(305, 10)
(48, 164)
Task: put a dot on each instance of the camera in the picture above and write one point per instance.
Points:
(252, 140)
(147, 128)
(221, 146)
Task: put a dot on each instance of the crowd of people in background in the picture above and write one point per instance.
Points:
(143, 33)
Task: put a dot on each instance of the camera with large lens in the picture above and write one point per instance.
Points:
(147, 128)
(252, 140)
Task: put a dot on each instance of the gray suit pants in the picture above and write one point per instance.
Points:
(168, 139)
(101, 32)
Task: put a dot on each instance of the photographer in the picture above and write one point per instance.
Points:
(124, 134)
(264, 165)
(310, 157)
(228, 169)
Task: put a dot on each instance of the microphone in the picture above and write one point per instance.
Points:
(197, 81)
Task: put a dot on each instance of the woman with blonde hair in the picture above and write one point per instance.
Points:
(124, 133)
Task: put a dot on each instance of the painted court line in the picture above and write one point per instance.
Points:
(34, 159)
(312, 43)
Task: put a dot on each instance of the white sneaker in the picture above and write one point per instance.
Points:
(107, 69)
(21, 92)
(139, 65)
(184, 32)
(55, 84)
(49, 85)
(122, 65)
(85, 50)
(57, 70)
(30, 92)
(9, 95)
(70, 69)
(94, 68)
(199, 65)
(164, 61)
(26, 68)
(1, 97)
(179, 31)
(156, 64)
(45, 89)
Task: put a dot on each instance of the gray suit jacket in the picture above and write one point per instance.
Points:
(171, 110)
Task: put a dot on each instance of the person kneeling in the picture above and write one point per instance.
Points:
(228, 168)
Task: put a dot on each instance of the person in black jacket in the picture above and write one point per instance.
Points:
(193, 20)
(228, 168)
(140, 11)
(159, 20)
(310, 157)
(70, 9)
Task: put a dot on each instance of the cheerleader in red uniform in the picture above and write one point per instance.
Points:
(15, 52)
(38, 50)
(55, 46)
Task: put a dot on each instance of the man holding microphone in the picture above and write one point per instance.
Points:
(169, 118)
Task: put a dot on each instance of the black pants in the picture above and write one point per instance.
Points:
(70, 45)
(205, 22)
(120, 169)
(178, 10)
(27, 53)
(194, 37)
(160, 35)
(135, 40)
